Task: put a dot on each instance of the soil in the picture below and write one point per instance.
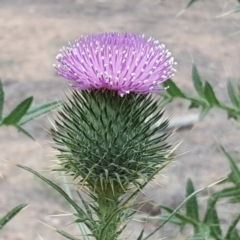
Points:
(32, 32)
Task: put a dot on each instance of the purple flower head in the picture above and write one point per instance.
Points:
(120, 62)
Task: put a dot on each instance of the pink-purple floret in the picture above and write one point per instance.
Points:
(120, 62)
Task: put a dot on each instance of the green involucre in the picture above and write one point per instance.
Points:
(109, 141)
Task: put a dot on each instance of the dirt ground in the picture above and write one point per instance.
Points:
(31, 33)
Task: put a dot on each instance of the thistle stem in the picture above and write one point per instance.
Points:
(110, 215)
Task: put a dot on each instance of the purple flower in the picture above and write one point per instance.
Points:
(120, 62)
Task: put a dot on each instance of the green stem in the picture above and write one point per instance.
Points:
(108, 220)
(109, 212)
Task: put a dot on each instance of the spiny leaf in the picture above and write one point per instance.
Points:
(174, 219)
(232, 95)
(1, 100)
(172, 89)
(141, 235)
(199, 236)
(192, 204)
(14, 117)
(211, 218)
(190, 3)
(204, 112)
(215, 224)
(232, 192)
(232, 228)
(207, 97)
(209, 215)
(184, 218)
(20, 129)
(194, 104)
(197, 82)
(67, 235)
(39, 110)
(57, 188)
(87, 207)
(236, 9)
(174, 212)
(232, 114)
(11, 214)
(234, 235)
(210, 95)
(234, 168)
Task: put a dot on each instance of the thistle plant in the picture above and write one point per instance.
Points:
(24, 112)
(236, 9)
(206, 98)
(20, 115)
(110, 131)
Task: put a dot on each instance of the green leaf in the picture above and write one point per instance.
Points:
(194, 104)
(211, 218)
(215, 225)
(1, 100)
(174, 212)
(11, 214)
(197, 82)
(20, 129)
(204, 112)
(14, 117)
(86, 205)
(231, 192)
(172, 89)
(67, 235)
(141, 235)
(210, 95)
(211, 204)
(235, 172)
(57, 188)
(232, 114)
(39, 110)
(232, 95)
(183, 218)
(236, 9)
(232, 228)
(190, 3)
(230, 178)
(199, 236)
(174, 220)
(234, 235)
(191, 204)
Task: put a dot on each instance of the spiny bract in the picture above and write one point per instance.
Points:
(109, 140)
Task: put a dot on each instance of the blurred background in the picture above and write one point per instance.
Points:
(31, 34)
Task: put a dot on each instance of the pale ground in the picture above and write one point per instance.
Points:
(32, 33)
